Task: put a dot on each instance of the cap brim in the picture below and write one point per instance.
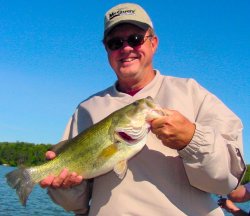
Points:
(141, 25)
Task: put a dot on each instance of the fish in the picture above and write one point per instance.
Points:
(101, 148)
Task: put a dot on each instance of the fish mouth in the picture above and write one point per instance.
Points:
(126, 137)
(132, 136)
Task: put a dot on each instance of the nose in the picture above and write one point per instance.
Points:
(126, 47)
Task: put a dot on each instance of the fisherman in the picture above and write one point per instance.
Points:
(193, 150)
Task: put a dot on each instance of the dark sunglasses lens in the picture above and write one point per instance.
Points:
(135, 40)
(115, 43)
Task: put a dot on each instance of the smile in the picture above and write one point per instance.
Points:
(128, 59)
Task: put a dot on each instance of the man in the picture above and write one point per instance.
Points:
(192, 151)
(240, 194)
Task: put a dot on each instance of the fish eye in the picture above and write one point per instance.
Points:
(136, 103)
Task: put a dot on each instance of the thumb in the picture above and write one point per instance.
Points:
(154, 114)
(50, 155)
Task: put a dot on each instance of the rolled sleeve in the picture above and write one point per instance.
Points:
(212, 163)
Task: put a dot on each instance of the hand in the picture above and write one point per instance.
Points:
(228, 205)
(173, 129)
(64, 180)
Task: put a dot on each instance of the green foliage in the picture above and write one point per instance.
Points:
(247, 175)
(20, 153)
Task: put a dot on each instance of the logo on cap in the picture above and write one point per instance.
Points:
(121, 12)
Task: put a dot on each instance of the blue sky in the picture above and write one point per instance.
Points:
(52, 58)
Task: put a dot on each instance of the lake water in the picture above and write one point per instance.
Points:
(39, 203)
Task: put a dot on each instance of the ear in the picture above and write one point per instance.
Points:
(154, 43)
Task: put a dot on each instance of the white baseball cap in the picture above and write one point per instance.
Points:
(126, 13)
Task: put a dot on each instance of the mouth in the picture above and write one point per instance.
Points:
(126, 137)
(131, 59)
(133, 137)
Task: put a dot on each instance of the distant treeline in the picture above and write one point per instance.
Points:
(29, 154)
(21, 153)
(247, 175)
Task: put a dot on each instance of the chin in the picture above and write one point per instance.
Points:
(127, 74)
(128, 71)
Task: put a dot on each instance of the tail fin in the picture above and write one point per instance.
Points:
(20, 180)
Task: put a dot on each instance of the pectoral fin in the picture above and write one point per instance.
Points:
(108, 151)
(121, 168)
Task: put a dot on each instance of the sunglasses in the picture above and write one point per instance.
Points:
(133, 40)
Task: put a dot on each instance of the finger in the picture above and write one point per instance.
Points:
(159, 123)
(154, 114)
(69, 180)
(47, 182)
(160, 128)
(60, 179)
(50, 155)
(163, 137)
(75, 179)
(72, 180)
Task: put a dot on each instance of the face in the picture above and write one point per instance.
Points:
(131, 64)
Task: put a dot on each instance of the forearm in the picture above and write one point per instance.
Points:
(207, 161)
(240, 194)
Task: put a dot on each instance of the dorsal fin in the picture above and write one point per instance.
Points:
(57, 148)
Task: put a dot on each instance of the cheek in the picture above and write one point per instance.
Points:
(112, 56)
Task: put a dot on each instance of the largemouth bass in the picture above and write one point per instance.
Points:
(99, 149)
